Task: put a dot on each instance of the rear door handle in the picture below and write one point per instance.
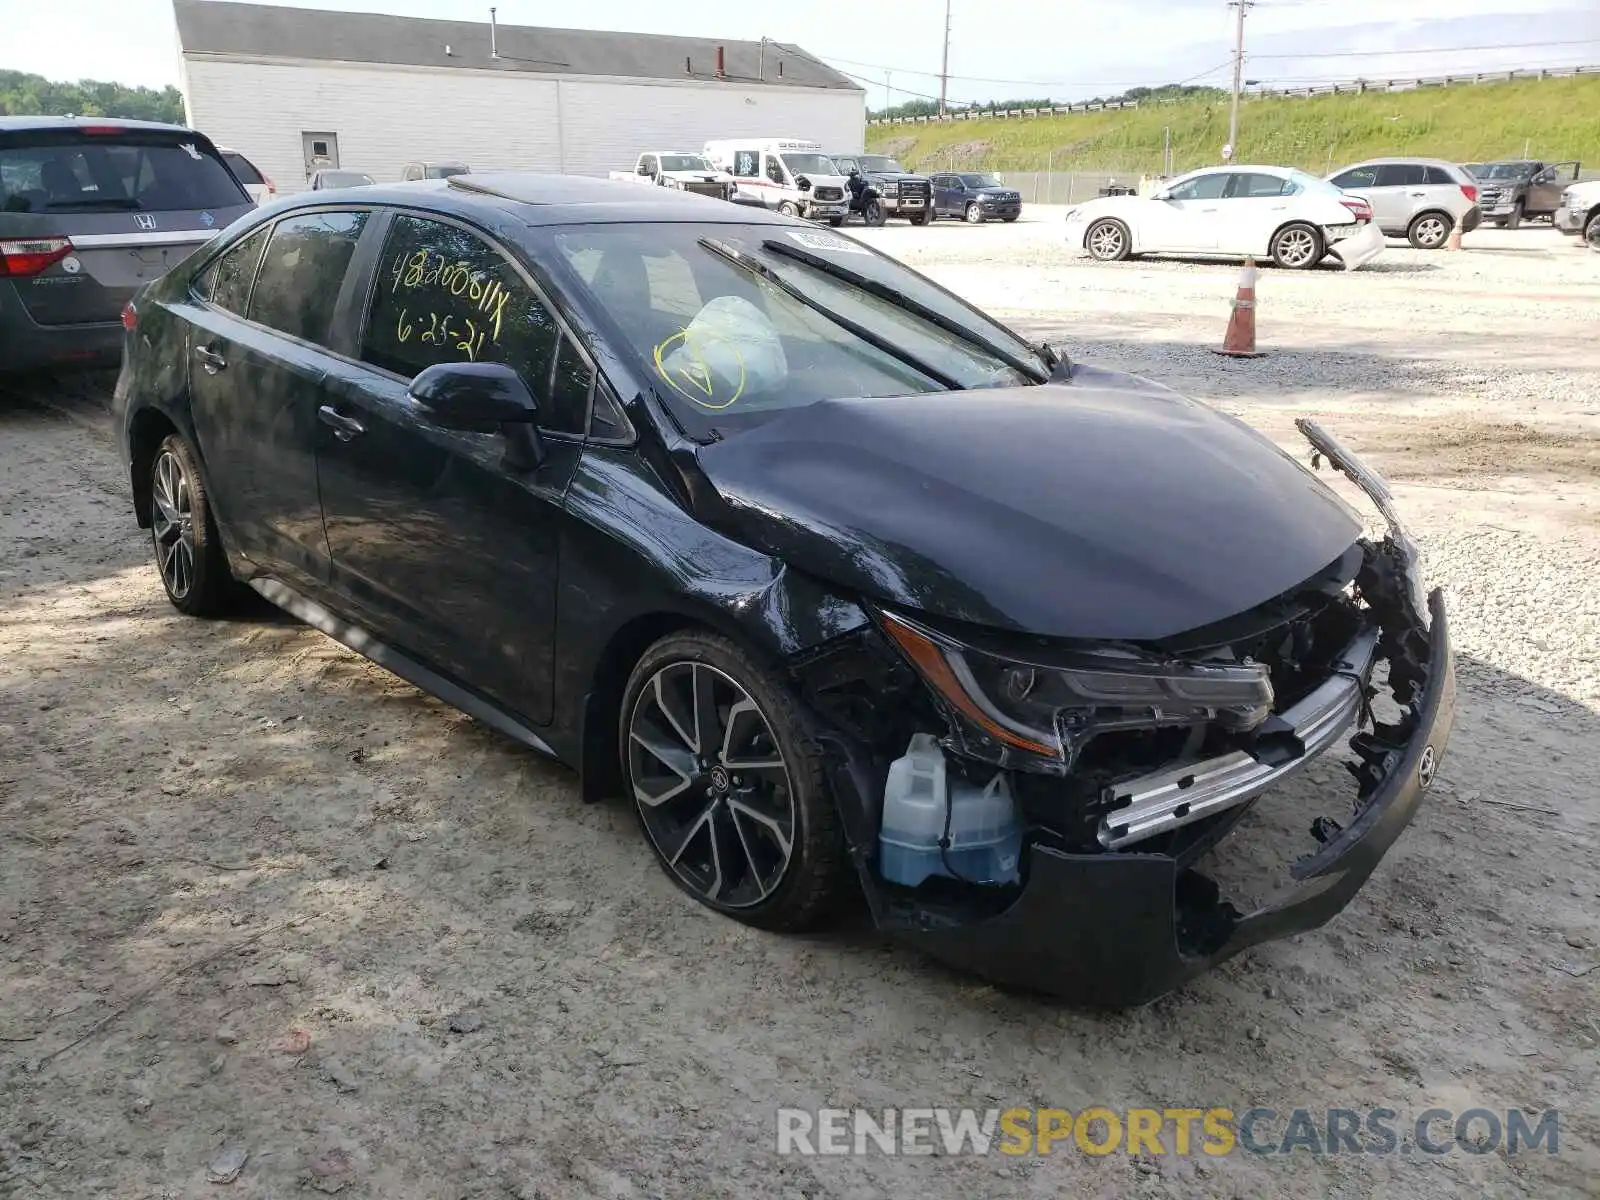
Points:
(1419, 195)
(210, 361)
(344, 428)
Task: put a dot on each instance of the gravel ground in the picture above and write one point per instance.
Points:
(258, 896)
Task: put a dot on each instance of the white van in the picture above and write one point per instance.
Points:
(788, 174)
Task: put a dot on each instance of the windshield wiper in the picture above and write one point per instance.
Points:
(903, 302)
(760, 269)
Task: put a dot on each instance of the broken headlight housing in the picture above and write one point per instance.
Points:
(1038, 715)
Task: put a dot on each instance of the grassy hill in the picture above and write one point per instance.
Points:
(1554, 118)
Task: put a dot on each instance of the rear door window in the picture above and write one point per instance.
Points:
(444, 294)
(226, 282)
(1402, 175)
(115, 173)
(302, 271)
(1248, 185)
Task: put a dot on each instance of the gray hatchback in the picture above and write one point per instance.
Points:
(90, 210)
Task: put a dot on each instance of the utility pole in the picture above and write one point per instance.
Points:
(888, 89)
(1238, 75)
(944, 68)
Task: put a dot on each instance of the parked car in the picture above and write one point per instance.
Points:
(726, 512)
(1419, 199)
(975, 196)
(433, 170)
(1579, 213)
(1513, 191)
(1280, 213)
(902, 193)
(90, 208)
(327, 178)
(255, 181)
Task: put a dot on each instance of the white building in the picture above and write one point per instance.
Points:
(372, 92)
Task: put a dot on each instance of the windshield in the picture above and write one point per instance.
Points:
(809, 164)
(114, 173)
(878, 162)
(684, 162)
(983, 180)
(334, 179)
(446, 171)
(1506, 170)
(727, 347)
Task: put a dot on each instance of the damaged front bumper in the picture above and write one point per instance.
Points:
(1125, 925)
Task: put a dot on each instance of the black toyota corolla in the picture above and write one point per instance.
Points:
(844, 585)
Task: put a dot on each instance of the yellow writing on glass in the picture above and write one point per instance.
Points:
(690, 374)
(446, 329)
(425, 269)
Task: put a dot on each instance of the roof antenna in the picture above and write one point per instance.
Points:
(494, 41)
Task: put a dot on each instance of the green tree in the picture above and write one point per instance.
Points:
(22, 94)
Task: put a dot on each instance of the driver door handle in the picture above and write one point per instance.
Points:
(210, 361)
(344, 428)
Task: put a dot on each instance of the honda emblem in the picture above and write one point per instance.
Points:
(145, 220)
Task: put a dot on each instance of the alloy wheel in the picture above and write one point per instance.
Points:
(172, 524)
(711, 784)
(1431, 231)
(1296, 246)
(1106, 241)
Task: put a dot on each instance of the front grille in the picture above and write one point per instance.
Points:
(829, 193)
(705, 189)
(917, 189)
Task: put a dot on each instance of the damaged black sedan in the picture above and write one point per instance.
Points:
(844, 585)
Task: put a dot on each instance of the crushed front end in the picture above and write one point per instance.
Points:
(1120, 767)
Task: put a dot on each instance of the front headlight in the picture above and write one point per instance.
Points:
(1037, 715)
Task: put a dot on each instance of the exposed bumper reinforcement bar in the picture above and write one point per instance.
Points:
(1168, 799)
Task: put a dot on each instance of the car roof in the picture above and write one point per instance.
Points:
(1407, 160)
(536, 199)
(17, 124)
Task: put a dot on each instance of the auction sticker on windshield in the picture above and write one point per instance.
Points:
(813, 239)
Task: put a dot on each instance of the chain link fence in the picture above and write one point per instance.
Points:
(1045, 178)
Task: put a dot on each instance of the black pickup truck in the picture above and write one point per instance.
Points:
(904, 194)
(1515, 190)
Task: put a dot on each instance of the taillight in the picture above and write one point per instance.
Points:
(1470, 191)
(130, 317)
(272, 188)
(26, 257)
(1359, 208)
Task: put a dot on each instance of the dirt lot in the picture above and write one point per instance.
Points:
(258, 894)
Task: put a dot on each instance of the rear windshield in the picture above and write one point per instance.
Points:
(446, 170)
(114, 173)
(242, 167)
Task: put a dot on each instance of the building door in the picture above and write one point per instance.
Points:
(321, 151)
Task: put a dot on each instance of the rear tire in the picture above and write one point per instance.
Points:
(729, 786)
(974, 213)
(1514, 221)
(1429, 230)
(1108, 240)
(1297, 246)
(183, 533)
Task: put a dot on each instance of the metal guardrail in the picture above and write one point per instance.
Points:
(1353, 87)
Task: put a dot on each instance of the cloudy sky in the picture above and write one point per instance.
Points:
(999, 48)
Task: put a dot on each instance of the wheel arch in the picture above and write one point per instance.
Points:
(1448, 216)
(1316, 228)
(147, 429)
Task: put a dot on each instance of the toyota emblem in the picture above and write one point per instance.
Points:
(1426, 766)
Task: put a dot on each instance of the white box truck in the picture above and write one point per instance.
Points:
(790, 175)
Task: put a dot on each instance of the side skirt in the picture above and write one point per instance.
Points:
(403, 665)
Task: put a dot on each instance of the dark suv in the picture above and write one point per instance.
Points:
(1513, 191)
(904, 194)
(91, 209)
(975, 196)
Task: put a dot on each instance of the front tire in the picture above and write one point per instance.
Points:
(974, 213)
(875, 214)
(728, 786)
(789, 209)
(836, 221)
(1108, 241)
(1297, 246)
(1514, 221)
(183, 533)
(920, 218)
(1429, 230)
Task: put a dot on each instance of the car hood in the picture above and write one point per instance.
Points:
(1110, 508)
(994, 191)
(699, 176)
(894, 177)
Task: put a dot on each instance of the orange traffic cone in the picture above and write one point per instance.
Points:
(1240, 340)
(1455, 237)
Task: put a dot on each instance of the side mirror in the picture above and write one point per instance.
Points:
(1163, 194)
(481, 398)
(802, 183)
(644, 170)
